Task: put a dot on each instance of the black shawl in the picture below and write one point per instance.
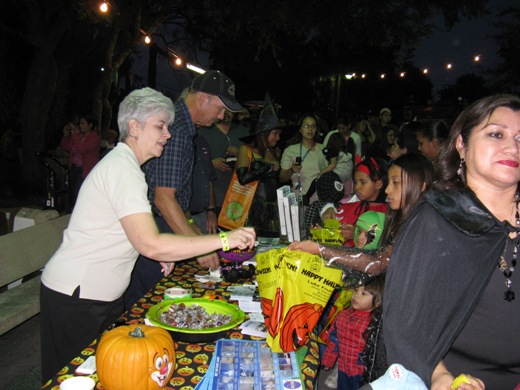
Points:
(442, 261)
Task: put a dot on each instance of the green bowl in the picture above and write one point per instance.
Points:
(197, 335)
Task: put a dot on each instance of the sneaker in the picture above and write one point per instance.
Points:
(332, 377)
(397, 378)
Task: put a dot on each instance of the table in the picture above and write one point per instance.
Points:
(192, 359)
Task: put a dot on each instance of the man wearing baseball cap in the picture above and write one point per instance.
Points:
(169, 177)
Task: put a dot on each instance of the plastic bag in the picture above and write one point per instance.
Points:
(330, 233)
(294, 289)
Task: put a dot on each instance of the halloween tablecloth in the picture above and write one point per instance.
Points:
(192, 359)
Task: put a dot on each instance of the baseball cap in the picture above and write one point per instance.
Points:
(385, 109)
(397, 378)
(213, 82)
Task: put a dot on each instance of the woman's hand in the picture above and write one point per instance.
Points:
(305, 246)
(241, 238)
(442, 379)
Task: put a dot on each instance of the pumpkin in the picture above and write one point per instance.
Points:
(137, 357)
(298, 324)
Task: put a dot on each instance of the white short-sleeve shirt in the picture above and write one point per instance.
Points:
(95, 253)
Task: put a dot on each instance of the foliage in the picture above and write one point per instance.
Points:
(508, 40)
(56, 49)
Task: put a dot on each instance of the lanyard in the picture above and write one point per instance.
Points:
(306, 153)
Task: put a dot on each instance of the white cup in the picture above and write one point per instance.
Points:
(78, 383)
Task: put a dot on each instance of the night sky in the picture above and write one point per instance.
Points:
(458, 46)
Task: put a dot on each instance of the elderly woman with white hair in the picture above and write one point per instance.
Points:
(83, 283)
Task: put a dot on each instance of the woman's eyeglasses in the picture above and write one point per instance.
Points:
(307, 126)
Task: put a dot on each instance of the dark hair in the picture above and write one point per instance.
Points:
(346, 120)
(449, 161)
(416, 171)
(377, 168)
(90, 120)
(434, 129)
(260, 142)
(376, 287)
(297, 138)
(407, 137)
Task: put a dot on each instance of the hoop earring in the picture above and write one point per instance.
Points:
(459, 171)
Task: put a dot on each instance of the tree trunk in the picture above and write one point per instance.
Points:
(38, 96)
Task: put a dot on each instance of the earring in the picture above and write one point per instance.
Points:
(459, 171)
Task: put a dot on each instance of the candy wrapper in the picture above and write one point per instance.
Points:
(294, 290)
(330, 233)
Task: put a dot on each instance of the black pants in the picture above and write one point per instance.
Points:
(147, 273)
(69, 324)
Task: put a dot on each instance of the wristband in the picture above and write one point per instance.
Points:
(225, 244)
(191, 220)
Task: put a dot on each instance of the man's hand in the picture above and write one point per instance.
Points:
(220, 164)
(167, 268)
(210, 261)
(211, 221)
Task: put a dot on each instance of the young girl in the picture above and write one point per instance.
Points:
(347, 337)
(430, 136)
(369, 181)
(258, 160)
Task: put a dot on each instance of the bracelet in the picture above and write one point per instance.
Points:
(191, 220)
(225, 243)
(211, 209)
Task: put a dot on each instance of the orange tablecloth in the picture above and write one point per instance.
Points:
(192, 359)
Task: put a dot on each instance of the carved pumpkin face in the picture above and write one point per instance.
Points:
(298, 324)
(137, 357)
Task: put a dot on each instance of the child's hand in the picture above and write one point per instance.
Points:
(328, 214)
(347, 231)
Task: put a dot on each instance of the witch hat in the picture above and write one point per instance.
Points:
(268, 120)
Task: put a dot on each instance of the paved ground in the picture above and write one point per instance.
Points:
(20, 367)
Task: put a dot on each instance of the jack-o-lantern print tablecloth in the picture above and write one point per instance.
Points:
(192, 359)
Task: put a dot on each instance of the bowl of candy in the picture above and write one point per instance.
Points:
(195, 320)
(237, 254)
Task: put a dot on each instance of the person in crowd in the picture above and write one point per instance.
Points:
(223, 139)
(383, 147)
(369, 229)
(303, 160)
(329, 189)
(369, 183)
(450, 301)
(202, 202)
(243, 116)
(82, 143)
(348, 334)
(366, 133)
(339, 158)
(169, 177)
(385, 117)
(83, 283)
(108, 141)
(353, 139)
(259, 159)
(430, 136)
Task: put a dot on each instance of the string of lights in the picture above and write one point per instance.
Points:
(176, 59)
(179, 61)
